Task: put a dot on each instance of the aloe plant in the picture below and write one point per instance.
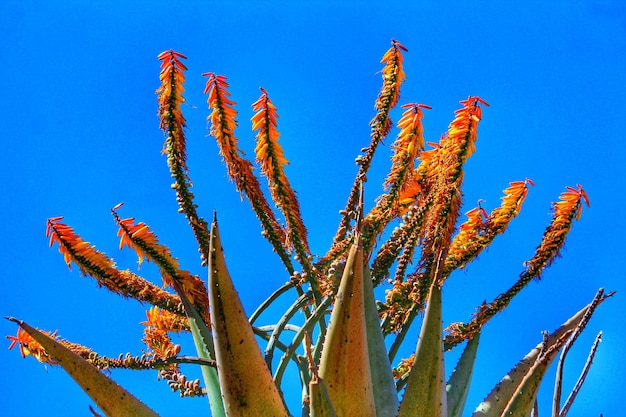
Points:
(345, 348)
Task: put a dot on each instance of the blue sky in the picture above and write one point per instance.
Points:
(80, 134)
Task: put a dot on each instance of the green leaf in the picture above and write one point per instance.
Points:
(203, 340)
(345, 363)
(459, 383)
(522, 402)
(526, 371)
(385, 394)
(321, 405)
(425, 393)
(247, 385)
(111, 398)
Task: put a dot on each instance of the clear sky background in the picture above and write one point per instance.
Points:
(80, 134)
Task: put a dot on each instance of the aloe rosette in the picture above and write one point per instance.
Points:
(344, 349)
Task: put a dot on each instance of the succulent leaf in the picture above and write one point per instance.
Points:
(345, 362)
(511, 384)
(425, 393)
(203, 340)
(237, 352)
(459, 383)
(385, 395)
(321, 405)
(111, 398)
(522, 403)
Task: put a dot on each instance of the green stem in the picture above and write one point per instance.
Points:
(280, 291)
(284, 320)
(307, 326)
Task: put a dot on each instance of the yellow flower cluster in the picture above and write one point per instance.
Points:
(164, 320)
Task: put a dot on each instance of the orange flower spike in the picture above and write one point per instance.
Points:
(74, 248)
(475, 218)
(267, 147)
(270, 156)
(471, 239)
(393, 76)
(239, 169)
(29, 346)
(465, 245)
(462, 131)
(98, 265)
(400, 186)
(572, 200)
(165, 320)
(23, 339)
(566, 210)
(170, 98)
(146, 244)
(512, 201)
(411, 129)
(444, 175)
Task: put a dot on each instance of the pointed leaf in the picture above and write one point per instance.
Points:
(345, 364)
(581, 379)
(425, 393)
(504, 391)
(523, 401)
(385, 394)
(459, 383)
(321, 405)
(111, 398)
(203, 340)
(247, 385)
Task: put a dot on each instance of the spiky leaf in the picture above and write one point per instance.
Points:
(425, 393)
(385, 395)
(203, 340)
(321, 405)
(111, 398)
(247, 385)
(345, 363)
(496, 402)
(459, 382)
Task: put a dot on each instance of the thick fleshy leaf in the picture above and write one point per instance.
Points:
(385, 394)
(321, 405)
(345, 363)
(425, 393)
(459, 383)
(522, 403)
(111, 398)
(247, 385)
(203, 340)
(496, 402)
